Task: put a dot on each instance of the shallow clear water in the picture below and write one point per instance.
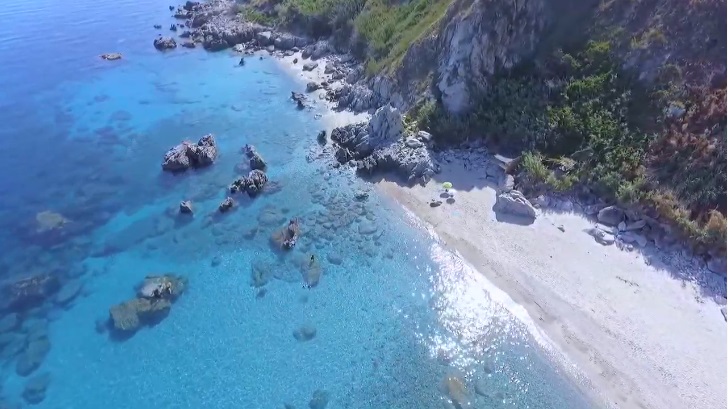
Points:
(395, 316)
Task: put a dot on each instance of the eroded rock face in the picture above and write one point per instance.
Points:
(480, 37)
(187, 155)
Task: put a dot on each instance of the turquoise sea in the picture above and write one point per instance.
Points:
(399, 321)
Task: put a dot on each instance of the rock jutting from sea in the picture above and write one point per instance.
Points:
(152, 304)
(189, 155)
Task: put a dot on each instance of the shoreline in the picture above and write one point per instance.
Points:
(606, 310)
(609, 313)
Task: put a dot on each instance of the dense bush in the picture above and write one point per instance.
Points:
(583, 106)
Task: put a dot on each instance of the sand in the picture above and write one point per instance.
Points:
(642, 337)
(643, 328)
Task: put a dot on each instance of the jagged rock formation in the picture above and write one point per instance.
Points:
(380, 144)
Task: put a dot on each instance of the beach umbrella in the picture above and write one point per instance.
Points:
(447, 185)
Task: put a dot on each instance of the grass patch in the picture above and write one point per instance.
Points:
(391, 29)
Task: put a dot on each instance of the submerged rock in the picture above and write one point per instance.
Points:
(69, 292)
(187, 155)
(304, 333)
(49, 221)
(32, 357)
(319, 400)
(260, 273)
(34, 391)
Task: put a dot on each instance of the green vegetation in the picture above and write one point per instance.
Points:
(379, 31)
(602, 128)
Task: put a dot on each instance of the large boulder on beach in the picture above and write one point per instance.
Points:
(610, 215)
(514, 203)
(188, 155)
(164, 43)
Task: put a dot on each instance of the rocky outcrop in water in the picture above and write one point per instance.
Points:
(381, 145)
(514, 203)
(164, 43)
(252, 184)
(188, 155)
(154, 300)
(226, 205)
(28, 292)
(256, 161)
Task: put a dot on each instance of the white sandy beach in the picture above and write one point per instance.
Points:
(643, 338)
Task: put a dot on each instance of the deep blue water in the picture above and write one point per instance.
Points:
(84, 138)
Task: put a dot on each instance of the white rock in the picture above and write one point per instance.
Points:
(513, 202)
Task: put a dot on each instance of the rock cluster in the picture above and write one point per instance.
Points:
(188, 155)
(152, 304)
(380, 145)
(213, 25)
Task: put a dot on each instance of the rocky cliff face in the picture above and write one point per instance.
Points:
(480, 37)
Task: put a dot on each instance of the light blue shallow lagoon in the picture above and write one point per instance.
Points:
(399, 321)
